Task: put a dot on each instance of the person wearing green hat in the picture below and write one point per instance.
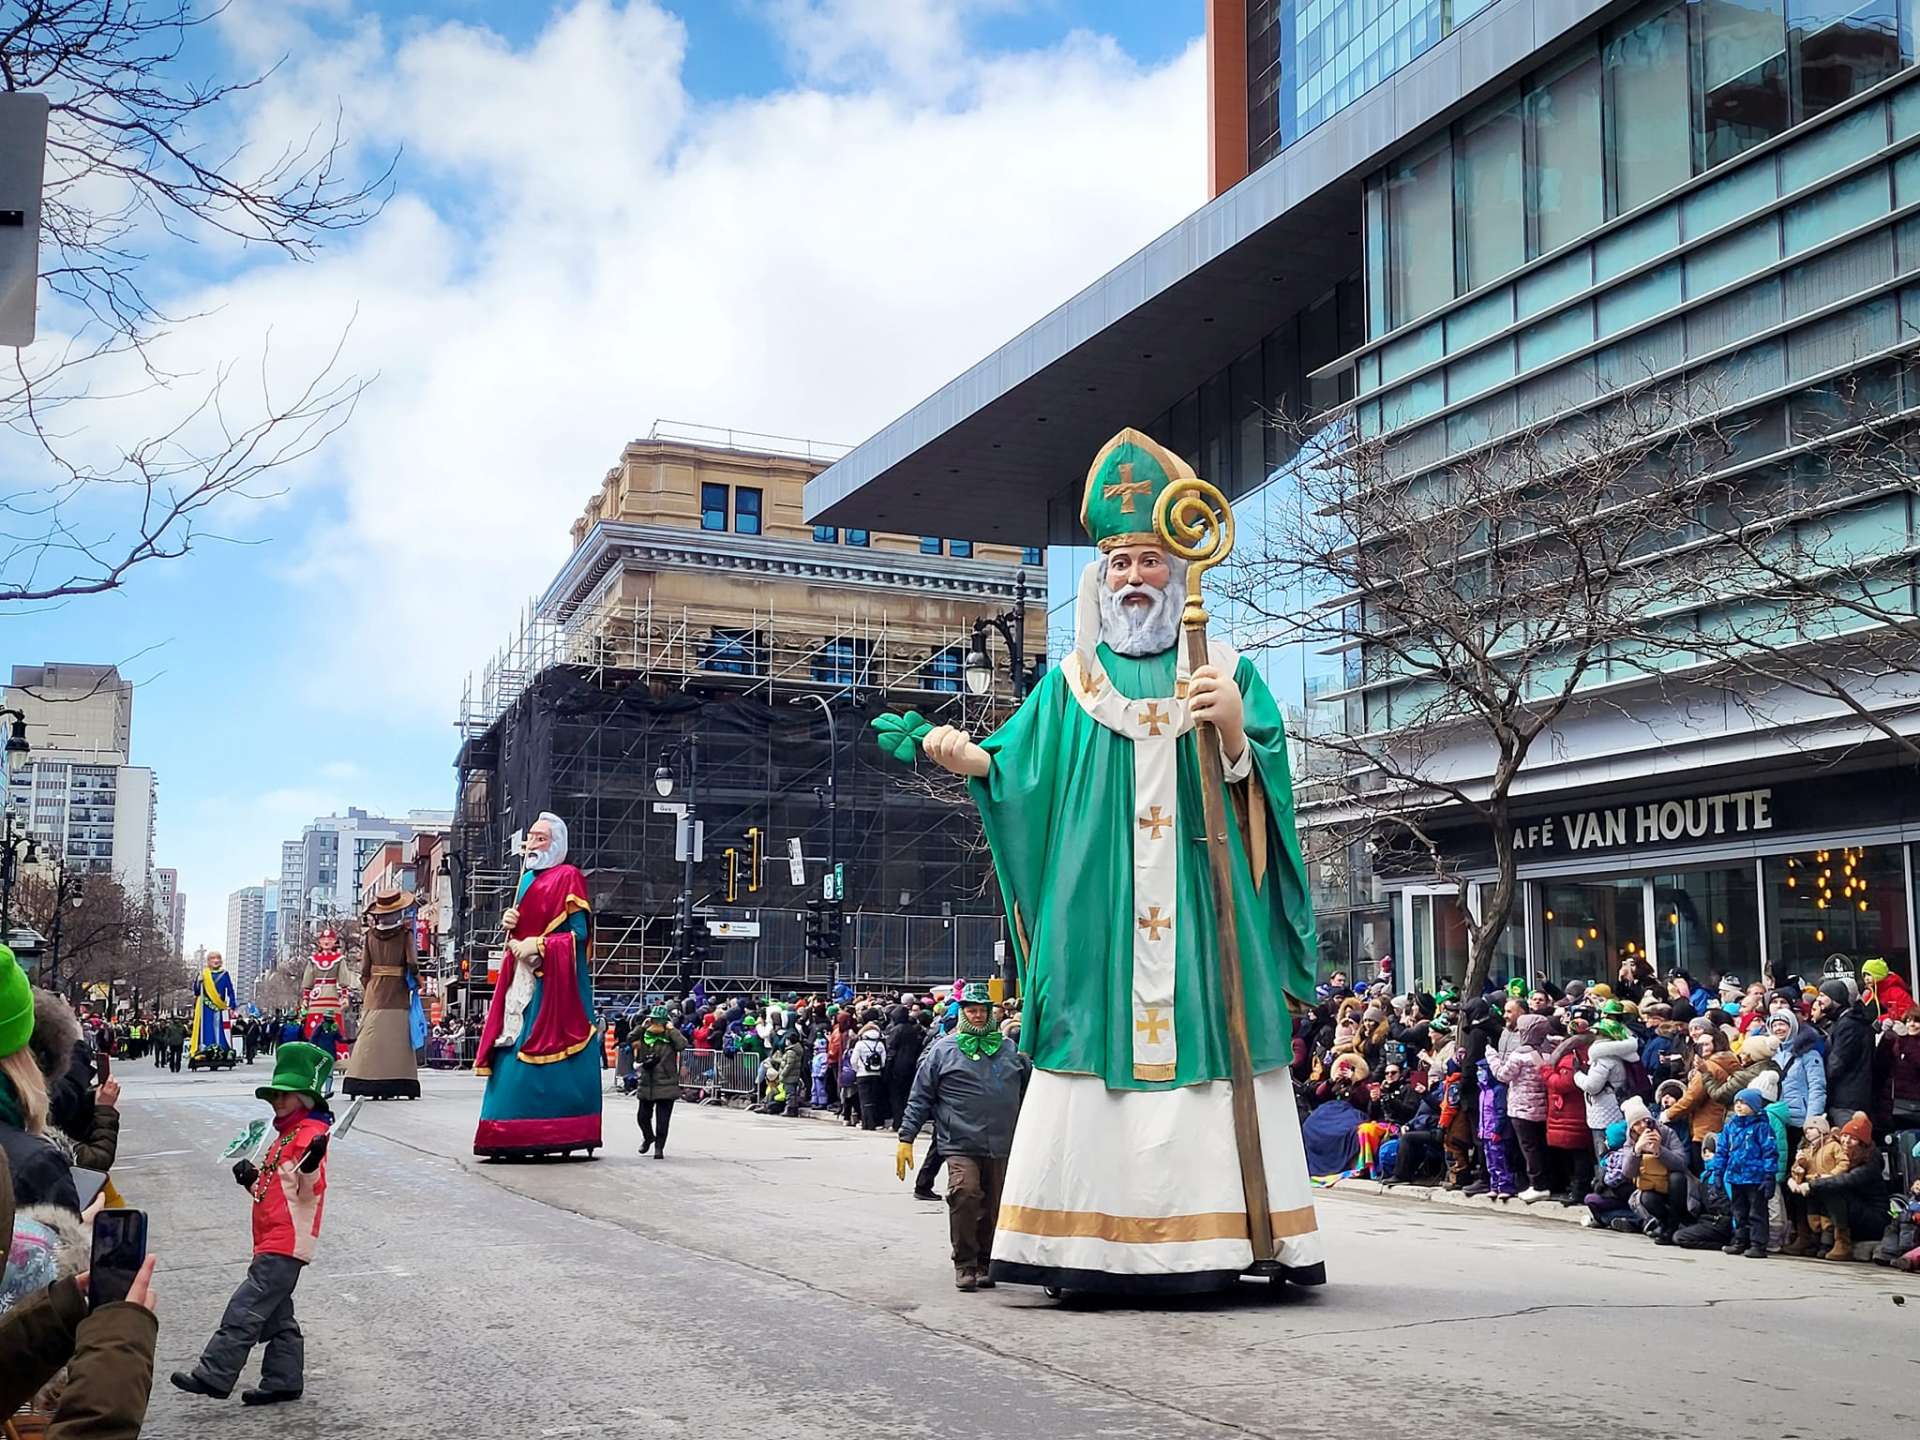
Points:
(289, 1189)
(42, 1174)
(657, 1061)
(1883, 992)
(1091, 799)
(969, 1084)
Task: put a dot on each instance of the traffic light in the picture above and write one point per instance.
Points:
(824, 927)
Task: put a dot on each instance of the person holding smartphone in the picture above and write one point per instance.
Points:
(104, 1340)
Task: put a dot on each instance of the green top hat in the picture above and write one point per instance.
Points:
(976, 993)
(659, 1012)
(1124, 483)
(299, 1069)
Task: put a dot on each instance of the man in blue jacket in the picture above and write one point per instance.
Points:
(969, 1082)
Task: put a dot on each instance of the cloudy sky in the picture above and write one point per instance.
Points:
(791, 216)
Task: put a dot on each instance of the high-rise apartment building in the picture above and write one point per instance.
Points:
(251, 920)
(320, 872)
(81, 797)
(170, 906)
(1448, 226)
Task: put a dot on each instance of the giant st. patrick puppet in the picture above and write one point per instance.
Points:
(537, 1048)
(382, 1065)
(212, 1005)
(1140, 1163)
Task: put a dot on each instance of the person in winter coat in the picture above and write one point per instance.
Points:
(1604, 1081)
(793, 1063)
(657, 1049)
(1520, 1069)
(969, 1085)
(107, 1353)
(1849, 1052)
(1838, 1173)
(1803, 1070)
(289, 1192)
(1609, 1201)
(1657, 1165)
(1900, 1246)
(1899, 1062)
(1479, 1033)
(1713, 1067)
(1567, 1130)
(870, 1073)
(1746, 1159)
(1883, 992)
(41, 1172)
(1712, 1226)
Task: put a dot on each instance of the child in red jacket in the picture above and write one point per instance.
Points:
(289, 1192)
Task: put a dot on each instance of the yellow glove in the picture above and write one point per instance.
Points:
(903, 1160)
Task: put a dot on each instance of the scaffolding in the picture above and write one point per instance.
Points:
(577, 709)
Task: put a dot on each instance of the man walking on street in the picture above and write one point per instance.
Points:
(969, 1083)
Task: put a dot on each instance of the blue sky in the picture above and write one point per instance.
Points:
(795, 216)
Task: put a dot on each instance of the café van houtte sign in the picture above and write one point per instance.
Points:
(1658, 822)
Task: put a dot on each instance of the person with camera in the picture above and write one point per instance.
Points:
(657, 1072)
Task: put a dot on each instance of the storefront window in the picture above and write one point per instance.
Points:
(1510, 959)
(1707, 922)
(1439, 958)
(1849, 901)
(1588, 929)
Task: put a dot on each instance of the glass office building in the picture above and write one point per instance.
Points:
(1723, 188)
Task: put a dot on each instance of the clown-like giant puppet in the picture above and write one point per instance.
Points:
(320, 989)
(212, 1003)
(537, 1048)
(1124, 1173)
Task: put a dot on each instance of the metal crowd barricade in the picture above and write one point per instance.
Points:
(712, 1076)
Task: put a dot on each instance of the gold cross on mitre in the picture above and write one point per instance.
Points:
(1154, 718)
(1151, 1024)
(1153, 922)
(1127, 489)
(1154, 821)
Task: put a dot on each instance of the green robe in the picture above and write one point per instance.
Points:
(1058, 812)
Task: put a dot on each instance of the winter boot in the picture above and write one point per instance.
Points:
(1802, 1242)
(1842, 1240)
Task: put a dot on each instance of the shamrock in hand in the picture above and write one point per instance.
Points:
(900, 735)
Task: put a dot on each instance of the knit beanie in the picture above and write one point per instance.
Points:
(1859, 1129)
(1767, 1083)
(1759, 1046)
(1616, 1134)
(1839, 991)
(1874, 969)
(1633, 1109)
(16, 1005)
(1601, 991)
(1752, 1099)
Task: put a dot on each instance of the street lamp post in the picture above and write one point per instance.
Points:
(686, 754)
(1012, 625)
(833, 816)
(61, 899)
(13, 830)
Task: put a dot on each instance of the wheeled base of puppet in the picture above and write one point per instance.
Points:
(213, 1060)
(584, 1152)
(1057, 1283)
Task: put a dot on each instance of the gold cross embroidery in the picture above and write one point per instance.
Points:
(1150, 1024)
(1154, 821)
(1153, 922)
(1180, 689)
(1092, 683)
(1127, 488)
(1153, 717)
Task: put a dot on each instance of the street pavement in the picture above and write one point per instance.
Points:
(771, 1278)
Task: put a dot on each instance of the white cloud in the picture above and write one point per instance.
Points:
(576, 247)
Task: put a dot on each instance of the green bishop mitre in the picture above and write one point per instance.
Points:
(1123, 485)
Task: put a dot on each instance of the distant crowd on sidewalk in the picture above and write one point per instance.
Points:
(1754, 1118)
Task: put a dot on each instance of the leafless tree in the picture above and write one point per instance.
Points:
(1479, 603)
(107, 938)
(137, 161)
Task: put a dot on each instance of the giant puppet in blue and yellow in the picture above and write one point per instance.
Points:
(537, 1048)
(213, 1001)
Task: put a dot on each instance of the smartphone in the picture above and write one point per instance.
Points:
(119, 1250)
(102, 1067)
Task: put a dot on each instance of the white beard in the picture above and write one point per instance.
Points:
(539, 859)
(1144, 629)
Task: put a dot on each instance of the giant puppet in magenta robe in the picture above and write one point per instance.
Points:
(213, 1001)
(1139, 1165)
(537, 1047)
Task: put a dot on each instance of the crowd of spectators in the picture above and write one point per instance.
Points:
(1759, 1119)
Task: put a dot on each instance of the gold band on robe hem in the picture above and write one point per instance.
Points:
(1150, 1229)
(1153, 1072)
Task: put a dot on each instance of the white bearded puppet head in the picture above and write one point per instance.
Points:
(546, 842)
(1135, 618)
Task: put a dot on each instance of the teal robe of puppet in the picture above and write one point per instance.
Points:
(1058, 812)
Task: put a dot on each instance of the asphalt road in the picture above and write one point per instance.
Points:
(770, 1278)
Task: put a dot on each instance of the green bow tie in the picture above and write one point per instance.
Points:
(974, 1046)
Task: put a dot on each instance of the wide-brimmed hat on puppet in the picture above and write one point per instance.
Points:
(299, 1069)
(390, 901)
